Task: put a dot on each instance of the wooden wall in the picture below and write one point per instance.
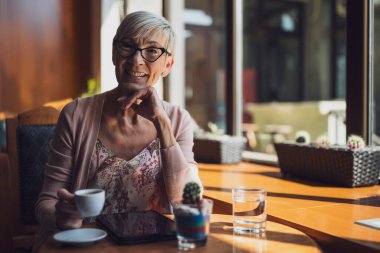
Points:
(48, 50)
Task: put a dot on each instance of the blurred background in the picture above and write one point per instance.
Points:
(293, 61)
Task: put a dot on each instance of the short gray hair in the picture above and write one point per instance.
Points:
(142, 24)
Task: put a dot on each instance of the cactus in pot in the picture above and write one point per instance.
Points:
(191, 193)
(355, 141)
(323, 141)
(303, 137)
(192, 215)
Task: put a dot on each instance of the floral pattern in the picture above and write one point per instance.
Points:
(130, 185)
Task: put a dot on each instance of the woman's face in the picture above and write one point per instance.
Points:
(133, 72)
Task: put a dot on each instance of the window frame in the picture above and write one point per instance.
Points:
(359, 84)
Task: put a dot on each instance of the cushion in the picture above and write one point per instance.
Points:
(33, 152)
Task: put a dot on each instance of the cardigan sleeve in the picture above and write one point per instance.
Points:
(178, 162)
(57, 171)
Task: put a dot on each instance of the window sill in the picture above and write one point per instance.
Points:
(260, 158)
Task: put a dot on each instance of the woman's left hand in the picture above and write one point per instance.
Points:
(147, 104)
(144, 102)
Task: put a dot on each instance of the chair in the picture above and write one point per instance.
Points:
(250, 131)
(3, 116)
(59, 104)
(2, 135)
(5, 239)
(28, 136)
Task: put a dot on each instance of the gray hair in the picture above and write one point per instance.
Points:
(142, 24)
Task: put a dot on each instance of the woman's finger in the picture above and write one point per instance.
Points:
(66, 216)
(66, 195)
(148, 93)
(127, 102)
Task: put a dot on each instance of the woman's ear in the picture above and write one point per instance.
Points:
(168, 66)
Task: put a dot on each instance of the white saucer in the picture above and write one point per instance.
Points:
(80, 236)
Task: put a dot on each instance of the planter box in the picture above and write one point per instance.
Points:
(335, 165)
(221, 150)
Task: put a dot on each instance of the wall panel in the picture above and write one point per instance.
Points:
(43, 51)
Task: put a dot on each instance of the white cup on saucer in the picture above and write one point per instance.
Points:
(90, 202)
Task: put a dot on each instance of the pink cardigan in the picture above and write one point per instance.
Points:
(70, 165)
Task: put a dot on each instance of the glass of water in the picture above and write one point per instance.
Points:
(249, 210)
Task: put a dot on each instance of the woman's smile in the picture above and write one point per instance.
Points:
(137, 74)
(136, 77)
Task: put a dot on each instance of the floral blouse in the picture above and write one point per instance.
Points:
(136, 184)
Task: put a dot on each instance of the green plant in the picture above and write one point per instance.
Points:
(323, 141)
(191, 193)
(93, 87)
(303, 137)
(355, 141)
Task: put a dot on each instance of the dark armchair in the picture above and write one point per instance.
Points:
(28, 137)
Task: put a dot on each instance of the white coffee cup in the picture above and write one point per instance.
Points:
(90, 202)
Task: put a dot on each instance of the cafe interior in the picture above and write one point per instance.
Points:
(256, 76)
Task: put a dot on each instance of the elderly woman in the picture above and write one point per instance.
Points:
(127, 140)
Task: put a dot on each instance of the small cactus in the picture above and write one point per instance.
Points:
(323, 141)
(303, 137)
(191, 193)
(355, 141)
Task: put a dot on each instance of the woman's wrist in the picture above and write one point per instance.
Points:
(164, 132)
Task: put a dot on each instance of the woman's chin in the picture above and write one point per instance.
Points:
(131, 87)
(136, 79)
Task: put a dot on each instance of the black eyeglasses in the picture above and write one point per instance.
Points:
(150, 54)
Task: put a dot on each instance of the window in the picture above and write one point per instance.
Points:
(205, 32)
(376, 72)
(294, 70)
(297, 56)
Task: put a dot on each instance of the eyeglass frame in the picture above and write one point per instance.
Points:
(118, 42)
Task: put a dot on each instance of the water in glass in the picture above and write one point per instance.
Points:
(249, 213)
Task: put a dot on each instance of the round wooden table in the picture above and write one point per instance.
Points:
(278, 238)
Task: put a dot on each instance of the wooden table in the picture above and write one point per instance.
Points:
(278, 238)
(324, 212)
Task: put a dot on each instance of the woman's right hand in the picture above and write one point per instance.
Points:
(67, 216)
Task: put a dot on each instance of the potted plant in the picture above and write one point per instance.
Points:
(352, 165)
(192, 215)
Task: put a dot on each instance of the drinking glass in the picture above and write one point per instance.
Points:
(249, 210)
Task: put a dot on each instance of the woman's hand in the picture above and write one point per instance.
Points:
(146, 103)
(67, 216)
